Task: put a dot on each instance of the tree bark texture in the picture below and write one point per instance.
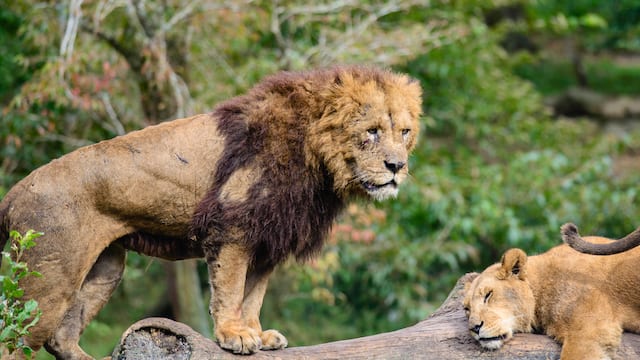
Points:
(443, 335)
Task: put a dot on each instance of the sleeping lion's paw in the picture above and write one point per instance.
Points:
(273, 340)
(238, 339)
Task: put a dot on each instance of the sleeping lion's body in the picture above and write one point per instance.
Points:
(583, 301)
(258, 180)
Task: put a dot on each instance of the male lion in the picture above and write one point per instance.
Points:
(259, 179)
(583, 301)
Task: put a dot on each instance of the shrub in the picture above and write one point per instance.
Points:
(16, 316)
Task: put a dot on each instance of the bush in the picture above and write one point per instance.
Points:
(16, 316)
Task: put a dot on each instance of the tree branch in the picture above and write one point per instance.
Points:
(71, 29)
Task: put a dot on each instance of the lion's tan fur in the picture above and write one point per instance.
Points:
(258, 180)
(583, 301)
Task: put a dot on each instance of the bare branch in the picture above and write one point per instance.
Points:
(181, 95)
(138, 14)
(185, 12)
(103, 9)
(69, 37)
(111, 41)
(363, 37)
(71, 29)
(355, 33)
(71, 141)
(116, 125)
(322, 9)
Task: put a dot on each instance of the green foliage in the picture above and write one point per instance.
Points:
(34, 127)
(492, 169)
(16, 316)
(609, 24)
(11, 72)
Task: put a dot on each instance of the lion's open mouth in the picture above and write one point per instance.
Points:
(381, 191)
(370, 187)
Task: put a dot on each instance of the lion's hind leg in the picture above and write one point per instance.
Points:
(98, 285)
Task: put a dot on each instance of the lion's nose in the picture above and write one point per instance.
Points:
(476, 328)
(394, 166)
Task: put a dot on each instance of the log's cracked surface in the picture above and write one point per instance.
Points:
(443, 335)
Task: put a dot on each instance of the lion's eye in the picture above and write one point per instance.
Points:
(488, 296)
(405, 134)
(374, 134)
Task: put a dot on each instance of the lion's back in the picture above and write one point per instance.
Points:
(163, 170)
(574, 274)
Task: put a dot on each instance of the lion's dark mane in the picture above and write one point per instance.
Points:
(289, 210)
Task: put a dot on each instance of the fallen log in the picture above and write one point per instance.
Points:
(580, 101)
(443, 335)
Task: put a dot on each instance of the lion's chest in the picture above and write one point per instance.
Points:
(278, 213)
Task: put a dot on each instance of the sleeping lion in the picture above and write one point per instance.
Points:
(583, 301)
(258, 180)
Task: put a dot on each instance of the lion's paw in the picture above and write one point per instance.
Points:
(239, 339)
(273, 340)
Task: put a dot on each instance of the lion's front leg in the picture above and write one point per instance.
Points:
(255, 288)
(594, 331)
(227, 275)
(579, 348)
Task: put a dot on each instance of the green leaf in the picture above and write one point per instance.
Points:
(7, 333)
(30, 306)
(593, 21)
(27, 351)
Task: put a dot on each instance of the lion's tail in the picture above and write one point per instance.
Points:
(572, 238)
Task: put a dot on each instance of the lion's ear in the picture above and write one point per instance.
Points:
(513, 263)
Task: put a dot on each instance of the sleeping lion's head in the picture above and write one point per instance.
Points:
(368, 127)
(499, 302)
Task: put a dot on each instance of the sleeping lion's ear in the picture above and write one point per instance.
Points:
(513, 263)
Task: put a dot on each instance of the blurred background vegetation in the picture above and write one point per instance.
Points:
(508, 151)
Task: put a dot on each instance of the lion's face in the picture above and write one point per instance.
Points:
(499, 302)
(380, 140)
(373, 127)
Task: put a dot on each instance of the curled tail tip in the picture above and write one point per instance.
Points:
(569, 228)
(569, 233)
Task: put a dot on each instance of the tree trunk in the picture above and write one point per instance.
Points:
(576, 50)
(443, 335)
(185, 295)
